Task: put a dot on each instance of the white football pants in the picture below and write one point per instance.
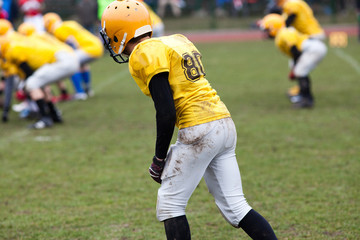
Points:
(204, 150)
(66, 64)
(313, 51)
(84, 57)
(319, 36)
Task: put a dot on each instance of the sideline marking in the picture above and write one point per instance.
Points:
(349, 59)
(22, 133)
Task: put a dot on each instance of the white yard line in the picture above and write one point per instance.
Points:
(349, 59)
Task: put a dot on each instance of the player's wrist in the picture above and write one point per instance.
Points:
(158, 161)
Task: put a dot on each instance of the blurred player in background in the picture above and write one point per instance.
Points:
(156, 22)
(32, 10)
(39, 64)
(87, 47)
(297, 13)
(6, 91)
(305, 52)
(174, 4)
(169, 70)
(87, 12)
(3, 13)
(28, 29)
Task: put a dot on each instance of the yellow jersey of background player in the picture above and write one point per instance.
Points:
(75, 35)
(34, 52)
(299, 15)
(286, 38)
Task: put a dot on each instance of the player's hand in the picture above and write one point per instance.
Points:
(156, 168)
(292, 75)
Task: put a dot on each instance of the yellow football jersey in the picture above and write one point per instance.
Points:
(73, 33)
(196, 102)
(27, 49)
(305, 22)
(286, 38)
(10, 69)
(50, 39)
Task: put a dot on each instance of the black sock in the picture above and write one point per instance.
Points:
(257, 227)
(177, 228)
(42, 107)
(305, 87)
(52, 110)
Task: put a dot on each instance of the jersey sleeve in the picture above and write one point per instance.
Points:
(10, 69)
(62, 32)
(285, 40)
(15, 54)
(291, 38)
(147, 60)
(290, 8)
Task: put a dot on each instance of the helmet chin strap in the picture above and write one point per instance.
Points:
(122, 43)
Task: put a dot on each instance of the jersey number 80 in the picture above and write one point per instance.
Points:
(193, 68)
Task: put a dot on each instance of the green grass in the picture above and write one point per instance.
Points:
(87, 178)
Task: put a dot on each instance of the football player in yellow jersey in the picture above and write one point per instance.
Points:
(305, 52)
(297, 13)
(29, 29)
(87, 47)
(170, 71)
(42, 64)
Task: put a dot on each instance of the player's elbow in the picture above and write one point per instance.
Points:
(167, 115)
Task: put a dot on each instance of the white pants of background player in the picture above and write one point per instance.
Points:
(319, 36)
(66, 64)
(313, 51)
(206, 150)
(84, 57)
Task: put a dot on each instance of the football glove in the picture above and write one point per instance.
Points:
(292, 75)
(156, 168)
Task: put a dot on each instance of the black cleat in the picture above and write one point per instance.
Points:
(57, 118)
(44, 122)
(303, 102)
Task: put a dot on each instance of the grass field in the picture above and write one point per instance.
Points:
(88, 179)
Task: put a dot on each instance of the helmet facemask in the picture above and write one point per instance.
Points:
(118, 57)
(271, 24)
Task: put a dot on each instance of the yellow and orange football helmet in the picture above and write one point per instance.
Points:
(51, 19)
(26, 29)
(122, 21)
(272, 23)
(5, 27)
